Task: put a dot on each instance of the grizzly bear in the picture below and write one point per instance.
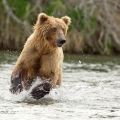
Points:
(42, 56)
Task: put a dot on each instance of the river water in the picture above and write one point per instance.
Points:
(90, 91)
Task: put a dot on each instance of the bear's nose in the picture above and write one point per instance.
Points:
(62, 41)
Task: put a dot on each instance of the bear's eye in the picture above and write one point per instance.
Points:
(63, 29)
(54, 29)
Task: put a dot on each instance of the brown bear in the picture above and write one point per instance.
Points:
(42, 56)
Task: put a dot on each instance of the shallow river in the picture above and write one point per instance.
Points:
(90, 91)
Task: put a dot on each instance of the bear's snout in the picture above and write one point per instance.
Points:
(60, 42)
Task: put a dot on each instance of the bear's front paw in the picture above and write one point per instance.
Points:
(15, 89)
(41, 90)
(16, 85)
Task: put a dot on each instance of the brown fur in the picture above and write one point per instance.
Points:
(41, 56)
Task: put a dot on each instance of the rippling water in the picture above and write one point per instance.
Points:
(90, 90)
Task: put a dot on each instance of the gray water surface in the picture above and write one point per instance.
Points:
(90, 91)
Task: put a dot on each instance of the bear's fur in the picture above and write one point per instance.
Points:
(42, 56)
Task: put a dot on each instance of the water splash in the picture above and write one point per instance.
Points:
(55, 94)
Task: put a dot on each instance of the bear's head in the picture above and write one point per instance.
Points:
(53, 30)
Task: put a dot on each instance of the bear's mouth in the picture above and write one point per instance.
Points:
(60, 42)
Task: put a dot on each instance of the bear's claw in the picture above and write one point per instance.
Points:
(41, 90)
(15, 89)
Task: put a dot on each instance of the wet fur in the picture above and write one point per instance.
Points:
(40, 56)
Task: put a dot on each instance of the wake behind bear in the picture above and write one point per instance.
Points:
(42, 56)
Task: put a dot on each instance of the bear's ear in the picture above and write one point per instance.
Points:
(66, 19)
(42, 17)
